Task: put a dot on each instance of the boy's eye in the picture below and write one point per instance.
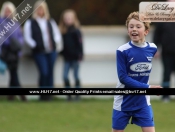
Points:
(139, 26)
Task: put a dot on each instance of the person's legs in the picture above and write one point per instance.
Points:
(120, 120)
(51, 58)
(67, 66)
(144, 118)
(76, 73)
(148, 129)
(41, 63)
(117, 130)
(14, 80)
(76, 77)
(167, 70)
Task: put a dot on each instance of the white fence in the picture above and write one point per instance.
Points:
(98, 68)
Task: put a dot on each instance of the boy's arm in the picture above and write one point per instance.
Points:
(122, 73)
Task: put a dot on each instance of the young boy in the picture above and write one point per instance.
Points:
(133, 67)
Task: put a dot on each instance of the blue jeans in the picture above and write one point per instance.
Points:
(45, 64)
(75, 66)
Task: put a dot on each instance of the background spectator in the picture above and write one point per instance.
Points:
(72, 47)
(42, 35)
(164, 36)
(11, 47)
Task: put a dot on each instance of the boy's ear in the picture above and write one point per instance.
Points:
(146, 32)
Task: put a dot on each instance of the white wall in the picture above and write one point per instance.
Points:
(98, 68)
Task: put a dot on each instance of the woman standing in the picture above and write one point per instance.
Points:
(42, 35)
(72, 46)
(11, 47)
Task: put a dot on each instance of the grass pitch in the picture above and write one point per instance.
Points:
(88, 115)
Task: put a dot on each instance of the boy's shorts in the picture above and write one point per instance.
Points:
(142, 117)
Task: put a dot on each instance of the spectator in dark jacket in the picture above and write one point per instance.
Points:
(11, 44)
(164, 37)
(72, 46)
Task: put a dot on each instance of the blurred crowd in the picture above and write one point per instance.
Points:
(42, 34)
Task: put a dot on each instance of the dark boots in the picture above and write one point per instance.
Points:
(12, 97)
(45, 98)
(67, 85)
(77, 85)
(23, 97)
(166, 98)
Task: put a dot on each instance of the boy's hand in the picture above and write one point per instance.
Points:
(155, 86)
(157, 55)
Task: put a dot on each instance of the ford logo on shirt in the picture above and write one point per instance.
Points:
(141, 67)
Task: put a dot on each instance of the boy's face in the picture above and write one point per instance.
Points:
(136, 31)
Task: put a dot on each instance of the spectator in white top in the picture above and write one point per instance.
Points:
(41, 33)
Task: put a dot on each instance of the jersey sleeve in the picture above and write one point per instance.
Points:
(122, 73)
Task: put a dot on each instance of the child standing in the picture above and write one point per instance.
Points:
(72, 46)
(134, 67)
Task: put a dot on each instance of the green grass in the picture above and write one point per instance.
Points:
(85, 116)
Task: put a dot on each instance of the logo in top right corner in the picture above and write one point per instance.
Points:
(157, 11)
(149, 58)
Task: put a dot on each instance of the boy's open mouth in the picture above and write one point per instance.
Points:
(134, 34)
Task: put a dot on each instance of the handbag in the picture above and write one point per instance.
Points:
(15, 45)
(3, 67)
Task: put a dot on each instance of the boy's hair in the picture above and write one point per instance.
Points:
(135, 15)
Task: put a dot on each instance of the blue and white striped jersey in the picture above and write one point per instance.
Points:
(133, 69)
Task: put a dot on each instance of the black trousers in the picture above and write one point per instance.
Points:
(14, 80)
(168, 68)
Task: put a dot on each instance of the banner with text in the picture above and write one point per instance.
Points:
(157, 11)
(85, 91)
